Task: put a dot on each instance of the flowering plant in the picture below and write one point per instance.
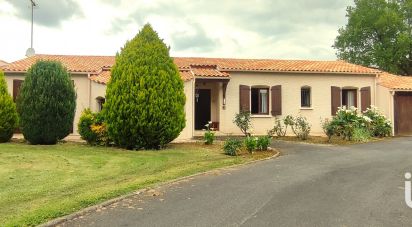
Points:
(209, 136)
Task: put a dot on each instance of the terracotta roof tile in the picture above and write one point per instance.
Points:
(101, 78)
(395, 82)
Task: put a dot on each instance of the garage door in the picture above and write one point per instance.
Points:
(403, 113)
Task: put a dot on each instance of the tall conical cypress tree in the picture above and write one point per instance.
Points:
(8, 113)
(46, 103)
(145, 97)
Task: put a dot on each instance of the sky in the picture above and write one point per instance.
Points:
(276, 29)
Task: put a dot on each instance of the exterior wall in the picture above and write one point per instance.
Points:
(384, 102)
(215, 100)
(187, 132)
(291, 84)
(82, 85)
(97, 90)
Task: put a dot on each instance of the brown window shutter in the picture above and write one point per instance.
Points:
(336, 99)
(244, 97)
(276, 93)
(365, 98)
(356, 98)
(16, 88)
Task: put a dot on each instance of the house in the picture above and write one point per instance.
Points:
(218, 88)
(3, 63)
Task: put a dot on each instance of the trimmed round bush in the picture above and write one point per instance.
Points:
(145, 97)
(92, 128)
(46, 103)
(8, 113)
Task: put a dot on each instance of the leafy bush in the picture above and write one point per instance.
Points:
(263, 143)
(145, 97)
(278, 129)
(379, 125)
(46, 103)
(209, 136)
(329, 128)
(92, 128)
(232, 146)
(361, 135)
(250, 143)
(8, 112)
(300, 126)
(242, 120)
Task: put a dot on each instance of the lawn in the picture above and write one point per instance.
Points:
(39, 183)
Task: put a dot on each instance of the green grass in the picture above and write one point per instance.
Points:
(39, 183)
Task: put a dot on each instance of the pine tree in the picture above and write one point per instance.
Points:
(46, 103)
(145, 97)
(8, 113)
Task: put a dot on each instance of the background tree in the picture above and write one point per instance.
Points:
(8, 113)
(145, 97)
(378, 34)
(46, 103)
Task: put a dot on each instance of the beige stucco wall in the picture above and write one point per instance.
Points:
(384, 102)
(215, 94)
(97, 90)
(187, 132)
(82, 85)
(291, 84)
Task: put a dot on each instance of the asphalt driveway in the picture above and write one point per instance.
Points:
(310, 185)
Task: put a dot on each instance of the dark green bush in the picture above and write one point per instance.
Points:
(250, 143)
(263, 143)
(46, 103)
(8, 113)
(92, 128)
(145, 97)
(232, 146)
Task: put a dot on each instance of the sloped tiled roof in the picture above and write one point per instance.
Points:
(196, 67)
(395, 82)
(3, 63)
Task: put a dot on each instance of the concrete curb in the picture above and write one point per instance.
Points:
(107, 203)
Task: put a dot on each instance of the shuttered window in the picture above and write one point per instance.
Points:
(260, 101)
(244, 98)
(350, 98)
(276, 96)
(335, 99)
(305, 97)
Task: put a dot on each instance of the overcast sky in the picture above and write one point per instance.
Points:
(282, 29)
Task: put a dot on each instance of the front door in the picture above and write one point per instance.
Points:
(202, 108)
(403, 113)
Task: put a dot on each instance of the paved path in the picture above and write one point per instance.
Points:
(310, 185)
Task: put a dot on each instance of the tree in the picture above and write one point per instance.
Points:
(8, 113)
(378, 34)
(46, 103)
(145, 97)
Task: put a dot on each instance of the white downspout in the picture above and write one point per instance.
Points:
(90, 91)
(392, 110)
(193, 106)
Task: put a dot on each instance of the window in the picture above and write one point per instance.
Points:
(305, 99)
(260, 100)
(100, 102)
(349, 98)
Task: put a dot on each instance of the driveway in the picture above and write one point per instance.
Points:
(310, 185)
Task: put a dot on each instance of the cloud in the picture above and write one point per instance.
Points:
(194, 39)
(50, 13)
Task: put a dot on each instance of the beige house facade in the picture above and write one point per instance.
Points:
(217, 89)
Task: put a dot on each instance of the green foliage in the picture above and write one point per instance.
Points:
(379, 126)
(145, 97)
(278, 129)
(8, 113)
(300, 126)
(209, 136)
(328, 128)
(92, 128)
(242, 120)
(378, 33)
(232, 146)
(46, 103)
(361, 135)
(263, 143)
(250, 143)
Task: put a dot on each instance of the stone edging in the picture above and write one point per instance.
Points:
(107, 203)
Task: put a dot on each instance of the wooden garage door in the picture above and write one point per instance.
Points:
(403, 113)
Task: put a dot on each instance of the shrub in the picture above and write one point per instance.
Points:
(250, 143)
(46, 103)
(300, 126)
(8, 113)
(278, 130)
(329, 128)
(361, 134)
(209, 136)
(92, 128)
(232, 146)
(145, 97)
(242, 120)
(263, 143)
(379, 125)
